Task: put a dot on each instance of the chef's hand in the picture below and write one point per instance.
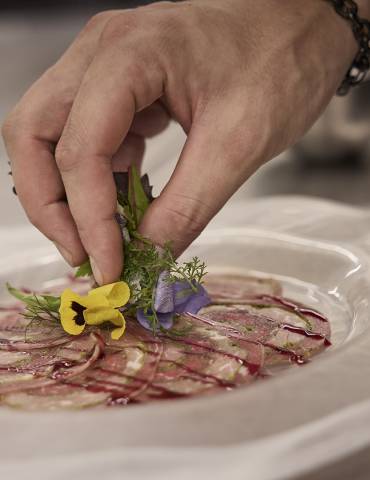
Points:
(245, 80)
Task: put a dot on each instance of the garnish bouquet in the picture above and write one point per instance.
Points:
(153, 287)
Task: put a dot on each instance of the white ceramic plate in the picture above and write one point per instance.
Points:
(326, 267)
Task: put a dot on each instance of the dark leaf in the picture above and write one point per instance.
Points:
(148, 189)
(121, 181)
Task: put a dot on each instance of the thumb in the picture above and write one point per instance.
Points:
(217, 158)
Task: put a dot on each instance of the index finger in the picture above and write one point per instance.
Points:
(98, 123)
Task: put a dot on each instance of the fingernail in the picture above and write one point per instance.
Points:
(96, 271)
(65, 253)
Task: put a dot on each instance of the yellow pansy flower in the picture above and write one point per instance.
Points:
(117, 294)
(98, 306)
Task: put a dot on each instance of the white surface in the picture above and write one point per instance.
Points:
(278, 429)
(281, 457)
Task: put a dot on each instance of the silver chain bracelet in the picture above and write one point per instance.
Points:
(348, 9)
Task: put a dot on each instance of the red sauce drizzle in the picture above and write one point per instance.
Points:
(251, 366)
(121, 394)
(306, 333)
(293, 356)
(292, 307)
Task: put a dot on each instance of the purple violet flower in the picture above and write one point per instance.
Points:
(174, 298)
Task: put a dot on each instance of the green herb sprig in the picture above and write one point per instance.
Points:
(43, 307)
(143, 261)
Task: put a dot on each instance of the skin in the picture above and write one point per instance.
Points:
(244, 79)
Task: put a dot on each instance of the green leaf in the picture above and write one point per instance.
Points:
(24, 297)
(53, 303)
(32, 300)
(137, 197)
(84, 270)
(131, 224)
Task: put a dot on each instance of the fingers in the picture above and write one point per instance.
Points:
(40, 190)
(36, 126)
(217, 158)
(100, 119)
(31, 132)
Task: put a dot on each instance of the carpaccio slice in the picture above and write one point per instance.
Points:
(233, 288)
(223, 347)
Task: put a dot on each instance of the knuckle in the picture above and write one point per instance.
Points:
(151, 27)
(99, 19)
(73, 142)
(172, 35)
(183, 223)
(119, 26)
(164, 5)
(65, 158)
(186, 216)
(166, 23)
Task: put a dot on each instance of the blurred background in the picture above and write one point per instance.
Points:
(332, 161)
